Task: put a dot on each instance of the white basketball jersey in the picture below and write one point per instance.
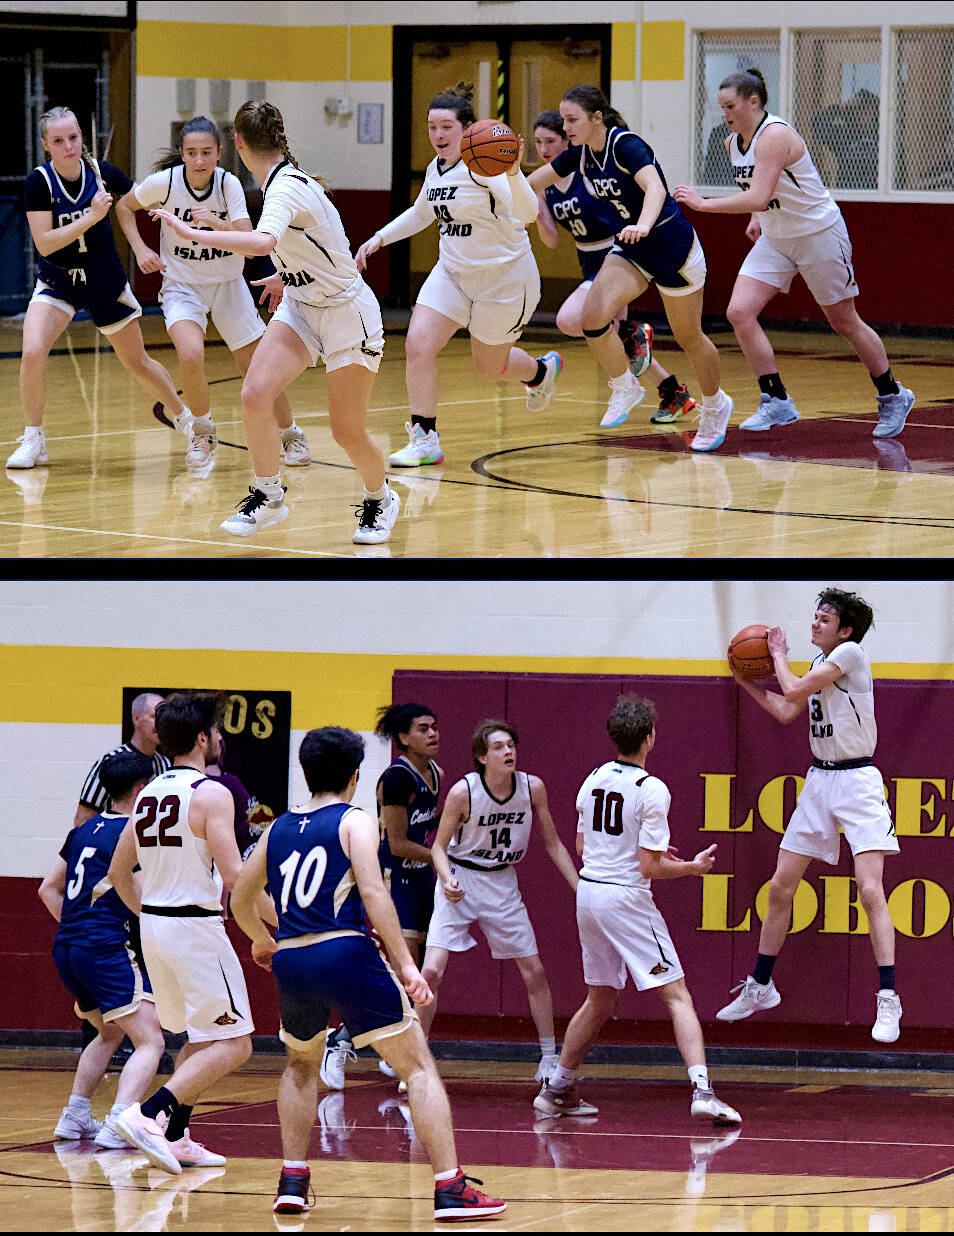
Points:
(191, 261)
(841, 720)
(177, 869)
(313, 255)
(620, 807)
(801, 204)
(497, 831)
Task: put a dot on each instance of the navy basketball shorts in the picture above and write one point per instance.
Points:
(110, 308)
(412, 891)
(346, 973)
(670, 256)
(107, 979)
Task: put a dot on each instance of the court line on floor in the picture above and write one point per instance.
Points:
(175, 540)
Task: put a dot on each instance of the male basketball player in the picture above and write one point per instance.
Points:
(484, 832)
(623, 839)
(182, 835)
(321, 865)
(842, 788)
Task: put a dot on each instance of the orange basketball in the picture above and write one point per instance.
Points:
(749, 653)
(489, 147)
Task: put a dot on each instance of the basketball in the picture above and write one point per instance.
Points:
(749, 653)
(489, 147)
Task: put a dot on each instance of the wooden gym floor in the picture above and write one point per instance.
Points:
(838, 1151)
(512, 484)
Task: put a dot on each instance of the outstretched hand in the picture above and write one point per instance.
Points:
(273, 289)
(704, 860)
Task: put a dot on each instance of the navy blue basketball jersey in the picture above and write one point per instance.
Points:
(309, 875)
(610, 176)
(402, 785)
(588, 219)
(93, 257)
(93, 912)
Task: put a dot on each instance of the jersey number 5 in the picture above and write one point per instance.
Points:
(607, 813)
(160, 815)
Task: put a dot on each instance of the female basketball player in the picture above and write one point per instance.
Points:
(656, 242)
(485, 279)
(797, 229)
(66, 202)
(198, 280)
(327, 310)
(593, 225)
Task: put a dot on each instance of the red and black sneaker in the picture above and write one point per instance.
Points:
(637, 339)
(294, 1188)
(455, 1199)
(675, 402)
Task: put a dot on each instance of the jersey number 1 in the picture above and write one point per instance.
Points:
(608, 813)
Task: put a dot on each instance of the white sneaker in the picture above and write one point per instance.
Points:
(108, 1138)
(255, 512)
(563, 1102)
(73, 1128)
(539, 396)
(887, 1025)
(333, 1060)
(146, 1135)
(386, 1069)
(402, 1087)
(772, 413)
(30, 452)
(201, 447)
(752, 998)
(622, 401)
(422, 449)
(182, 422)
(546, 1066)
(194, 1154)
(712, 426)
(376, 518)
(705, 1106)
(295, 451)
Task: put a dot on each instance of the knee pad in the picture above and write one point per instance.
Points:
(595, 334)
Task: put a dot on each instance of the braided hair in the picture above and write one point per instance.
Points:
(592, 99)
(261, 128)
(61, 113)
(173, 155)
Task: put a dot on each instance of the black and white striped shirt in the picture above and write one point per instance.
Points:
(93, 794)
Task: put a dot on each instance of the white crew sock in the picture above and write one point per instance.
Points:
(699, 1076)
(560, 1078)
(271, 486)
(377, 494)
(714, 403)
(440, 1177)
(623, 382)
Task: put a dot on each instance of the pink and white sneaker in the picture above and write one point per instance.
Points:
(193, 1154)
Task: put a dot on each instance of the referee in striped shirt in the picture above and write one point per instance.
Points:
(93, 798)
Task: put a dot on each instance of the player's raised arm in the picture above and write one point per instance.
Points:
(555, 847)
(456, 810)
(236, 240)
(659, 865)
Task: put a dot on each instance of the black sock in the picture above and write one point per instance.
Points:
(539, 375)
(427, 423)
(668, 386)
(771, 384)
(178, 1123)
(885, 384)
(886, 977)
(162, 1101)
(763, 968)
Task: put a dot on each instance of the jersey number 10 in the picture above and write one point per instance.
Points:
(310, 874)
(607, 812)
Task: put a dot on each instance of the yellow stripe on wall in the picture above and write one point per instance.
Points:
(257, 53)
(664, 51)
(623, 51)
(371, 53)
(74, 686)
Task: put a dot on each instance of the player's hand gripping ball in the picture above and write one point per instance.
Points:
(489, 147)
(749, 653)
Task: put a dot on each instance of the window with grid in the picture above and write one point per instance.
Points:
(719, 53)
(836, 79)
(924, 116)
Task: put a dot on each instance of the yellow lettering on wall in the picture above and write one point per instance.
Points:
(804, 907)
(235, 714)
(937, 908)
(715, 905)
(771, 801)
(909, 806)
(840, 898)
(717, 812)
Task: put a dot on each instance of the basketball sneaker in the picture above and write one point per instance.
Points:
(182, 422)
(892, 413)
(422, 449)
(540, 395)
(74, 1127)
(705, 1106)
(31, 451)
(887, 1025)
(255, 512)
(712, 426)
(626, 396)
(145, 1134)
(376, 518)
(455, 1199)
(108, 1137)
(202, 446)
(295, 451)
(674, 402)
(752, 998)
(772, 413)
(546, 1066)
(333, 1061)
(637, 338)
(294, 1195)
(194, 1154)
(562, 1102)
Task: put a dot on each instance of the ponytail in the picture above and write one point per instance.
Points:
(458, 99)
(747, 83)
(592, 99)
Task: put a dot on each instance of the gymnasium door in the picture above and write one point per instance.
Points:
(517, 73)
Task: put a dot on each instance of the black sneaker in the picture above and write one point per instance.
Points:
(294, 1194)
(675, 402)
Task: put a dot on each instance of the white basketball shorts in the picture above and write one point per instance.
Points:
(349, 333)
(230, 303)
(492, 900)
(622, 930)
(823, 260)
(852, 798)
(197, 980)
(493, 302)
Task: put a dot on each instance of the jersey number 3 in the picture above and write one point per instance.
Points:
(159, 815)
(607, 812)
